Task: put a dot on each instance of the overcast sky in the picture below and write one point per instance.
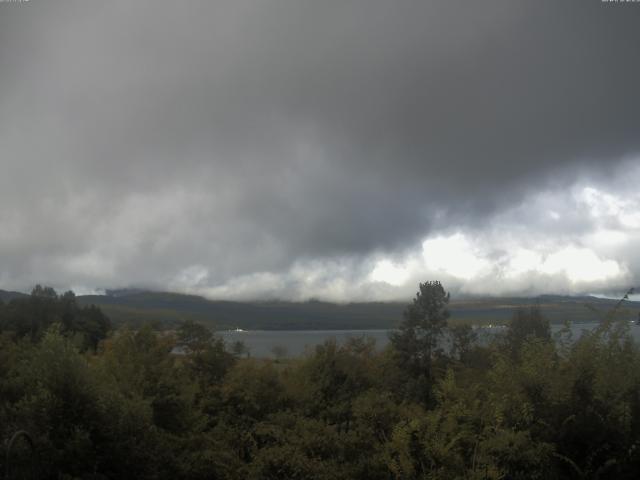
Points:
(342, 150)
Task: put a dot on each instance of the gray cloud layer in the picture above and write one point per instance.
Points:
(228, 144)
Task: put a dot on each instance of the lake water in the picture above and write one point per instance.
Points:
(296, 342)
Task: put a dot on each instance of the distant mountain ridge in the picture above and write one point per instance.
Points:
(170, 308)
(123, 292)
(7, 296)
(135, 307)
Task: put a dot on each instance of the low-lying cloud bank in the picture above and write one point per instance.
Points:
(578, 240)
(581, 239)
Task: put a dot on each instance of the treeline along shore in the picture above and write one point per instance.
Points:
(166, 310)
(82, 398)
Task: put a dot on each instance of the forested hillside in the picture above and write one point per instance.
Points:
(5, 295)
(104, 404)
(167, 310)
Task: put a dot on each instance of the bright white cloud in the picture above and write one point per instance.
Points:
(522, 262)
(604, 238)
(390, 272)
(580, 265)
(624, 209)
(455, 255)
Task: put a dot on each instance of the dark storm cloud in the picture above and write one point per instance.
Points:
(143, 140)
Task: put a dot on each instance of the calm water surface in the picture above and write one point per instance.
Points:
(261, 343)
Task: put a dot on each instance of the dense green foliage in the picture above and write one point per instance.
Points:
(417, 341)
(33, 315)
(525, 406)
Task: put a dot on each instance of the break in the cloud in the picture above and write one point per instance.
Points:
(341, 150)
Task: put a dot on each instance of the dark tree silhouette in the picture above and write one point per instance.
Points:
(417, 341)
